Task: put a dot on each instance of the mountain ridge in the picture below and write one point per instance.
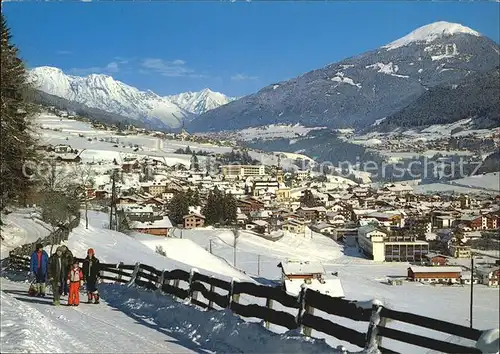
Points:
(357, 91)
(103, 92)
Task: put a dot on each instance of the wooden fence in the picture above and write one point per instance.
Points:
(213, 293)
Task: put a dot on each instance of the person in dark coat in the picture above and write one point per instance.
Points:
(57, 273)
(91, 275)
(67, 261)
(39, 268)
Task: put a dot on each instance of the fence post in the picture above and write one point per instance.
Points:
(269, 305)
(161, 280)
(372, 340)
(301, 298)
(308, 330)
(118, 266)
(210, 302)
(134, 274)
(193, 295)
(232, 296)
(305, 308)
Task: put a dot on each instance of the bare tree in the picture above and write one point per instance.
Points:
(84, 176)
(58, 209)
(55, 177)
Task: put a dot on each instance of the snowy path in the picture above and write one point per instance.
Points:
(87, 328)
(21, 229)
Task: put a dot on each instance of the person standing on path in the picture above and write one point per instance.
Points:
(56, 271)
(67, 262)
(75, 280)
(91, 275)
(39, 268)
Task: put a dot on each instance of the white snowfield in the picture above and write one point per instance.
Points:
(55, 130)
(488, 183)
(114, 247)
(431, 32)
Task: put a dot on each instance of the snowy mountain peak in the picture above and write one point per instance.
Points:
(105, 93)
(200, 102)
(431, 32)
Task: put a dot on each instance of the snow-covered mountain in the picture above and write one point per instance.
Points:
(105, 93)
(359, 90)
(200, 102)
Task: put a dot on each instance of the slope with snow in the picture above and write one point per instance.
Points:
(362, 280)
(362, 89)
(488, 182)
(21, 227)
(105, 93)
(99, 145)
(114, 247)
(431, 32)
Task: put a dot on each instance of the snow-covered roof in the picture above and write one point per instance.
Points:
(322, 225)
(302, 267)
(157, 224)
(134, 208)
(260, 222)
(436, 269)
(329, 286)
(318, 208)
(194, 214)
(386, 215)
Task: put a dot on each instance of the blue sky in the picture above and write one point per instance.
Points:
(234, 48)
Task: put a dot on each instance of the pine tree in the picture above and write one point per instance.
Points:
(209, 210)
(195, 165)
(308, 199)
(17, 145)
(178, 207)
(229, 209)
(195, 200)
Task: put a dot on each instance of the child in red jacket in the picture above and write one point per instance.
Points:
(75, 279)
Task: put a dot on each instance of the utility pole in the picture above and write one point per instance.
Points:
(258, 265)
(210, 246)
(236, 234)
(471, 286)
(112, 206)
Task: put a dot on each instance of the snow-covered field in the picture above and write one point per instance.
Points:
(114, 247)
(54, 130)
(447, 188)
(433, 132)
(362, 280)
(488, 181)
(272, 131)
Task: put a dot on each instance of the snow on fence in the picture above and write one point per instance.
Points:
(189, 285)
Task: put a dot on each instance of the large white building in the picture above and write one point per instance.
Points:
(243, 170)
(383, 248)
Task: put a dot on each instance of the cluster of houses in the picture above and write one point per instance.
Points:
(390, 223)
(487, 274)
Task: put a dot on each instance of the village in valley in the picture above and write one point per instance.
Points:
(169, 184)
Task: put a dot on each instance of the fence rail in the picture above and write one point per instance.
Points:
(301, 308)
